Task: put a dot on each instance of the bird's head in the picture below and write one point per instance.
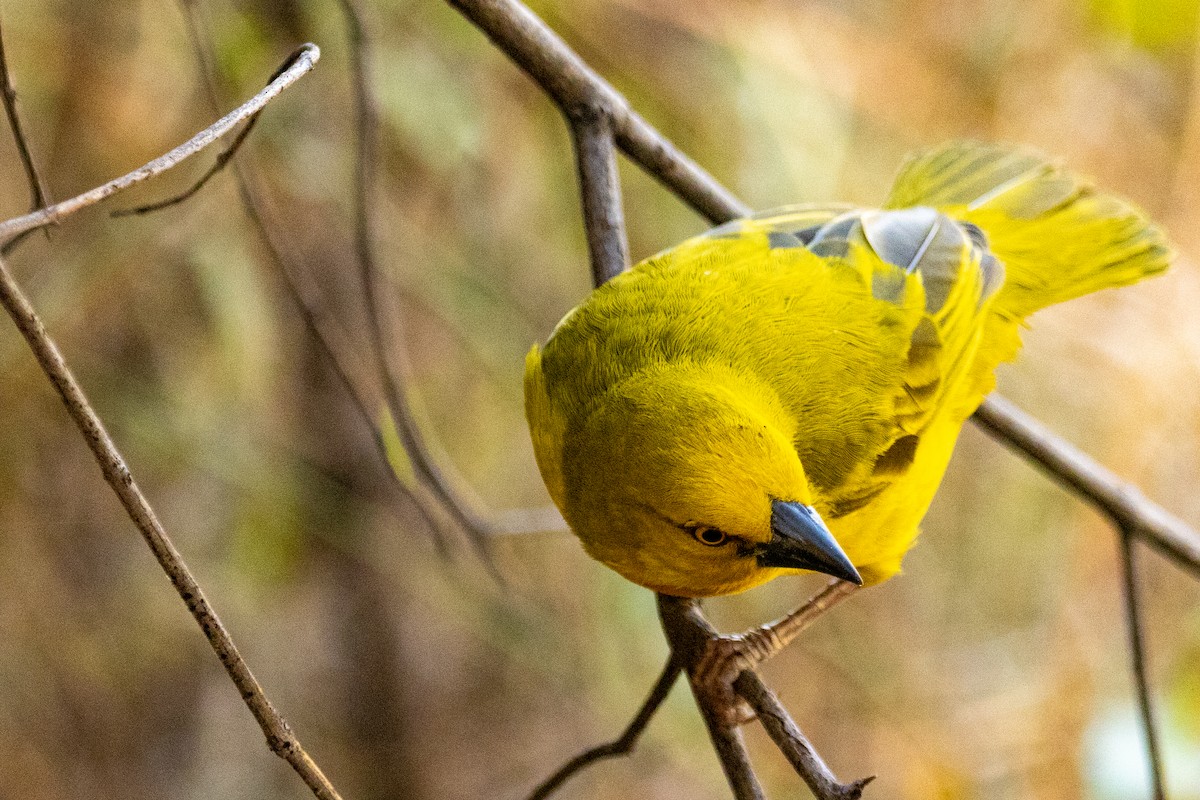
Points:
(685, 480)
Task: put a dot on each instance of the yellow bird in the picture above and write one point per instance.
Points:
(783, 392)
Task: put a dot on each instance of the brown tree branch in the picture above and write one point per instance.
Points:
(38, 196)
(600, 187)
(577, 88)
(1123, 503)
(280, 738)
(792, 742)
(621, 746)
(393, 371)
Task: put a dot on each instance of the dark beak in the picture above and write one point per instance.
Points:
(800, 540)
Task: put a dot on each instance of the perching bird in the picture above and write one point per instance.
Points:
(783, 392)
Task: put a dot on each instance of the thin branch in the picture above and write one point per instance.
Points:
(599, 184)
(1137, 650)
(1128, 508)
(792, 742)
(393, 373)
(38, 196)
(688, 633)
(223, 158)
(618, 747)
(280, 738)
(298, 64)
(331, 338)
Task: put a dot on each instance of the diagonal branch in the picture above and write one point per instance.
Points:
(279, 734)
(1121, 502)
(575, 86)
(624, 744)
(792, 742)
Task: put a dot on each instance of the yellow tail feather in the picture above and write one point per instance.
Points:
(1056, 235)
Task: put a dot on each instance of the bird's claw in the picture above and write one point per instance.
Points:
(723, 659)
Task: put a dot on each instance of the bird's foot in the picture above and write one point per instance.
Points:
(723, 660)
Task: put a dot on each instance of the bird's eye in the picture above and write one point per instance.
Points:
(713, 537)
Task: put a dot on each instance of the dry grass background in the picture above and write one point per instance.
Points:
(994, 668)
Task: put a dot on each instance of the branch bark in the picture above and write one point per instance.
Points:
(621, 746)
(603, 217)
(1078, 472)
(576, 87)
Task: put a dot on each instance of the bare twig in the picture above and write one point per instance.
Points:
(618, 747)
(1137, 650)
(280, 738)
(38, 196)
(298, 63)
(393, 371)
(223, 158)
(279, 734)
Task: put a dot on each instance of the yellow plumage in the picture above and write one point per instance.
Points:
(810, 358)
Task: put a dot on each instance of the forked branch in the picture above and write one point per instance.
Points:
(279, 735)
(298, 64)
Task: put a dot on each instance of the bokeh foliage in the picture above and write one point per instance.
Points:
(994, 668)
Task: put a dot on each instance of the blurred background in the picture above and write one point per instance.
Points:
(996, 667)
